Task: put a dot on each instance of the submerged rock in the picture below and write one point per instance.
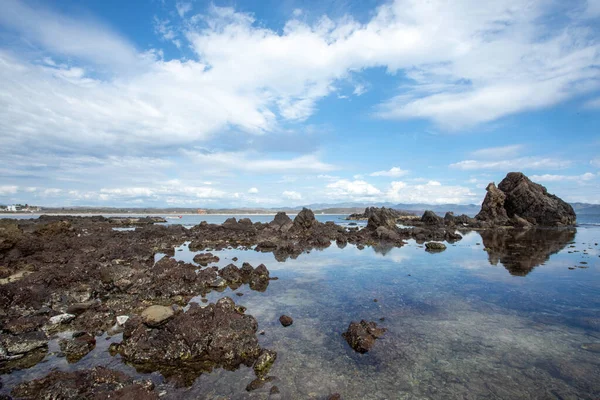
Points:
(286, 320)
(78, 346)
(361, 335)
(97, 383)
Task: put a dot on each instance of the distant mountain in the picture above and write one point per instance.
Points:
(586, 209)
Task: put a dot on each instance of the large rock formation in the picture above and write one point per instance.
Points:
(492, 209)
(519, 201)
(381, 217)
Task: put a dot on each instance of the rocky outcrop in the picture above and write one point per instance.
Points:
(518, 201)
(361, 335)
(431, 218)
(305, 219)
(97, 383)
(492, 208)
(532, 202)
(193, 342)
(381, 217)
(281, 222)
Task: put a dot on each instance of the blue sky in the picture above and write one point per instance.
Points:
(272, 103)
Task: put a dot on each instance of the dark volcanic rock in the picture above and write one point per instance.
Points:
(218, 335)
(532, 201)
(97, 383)
(520, 202)
(205, 258)
(78, 346)
(286, 320)
(381, 217)
(431, 218)
(361, 335)
(281, 222)
(492, 208)
(305, 219)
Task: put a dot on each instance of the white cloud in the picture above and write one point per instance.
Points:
(431, 193)
(561, 178)
(291, 195)
(253, 190)
(183, 8)
(393, 172)
(512, 164)
(498, 152)
(595, 162)
(351, 189)
(8, 189)
(246, 161)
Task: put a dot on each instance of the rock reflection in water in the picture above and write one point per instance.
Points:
(520, 251)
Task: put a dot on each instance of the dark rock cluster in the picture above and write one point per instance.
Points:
(361, 335)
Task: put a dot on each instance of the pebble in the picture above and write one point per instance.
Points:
(62, 319)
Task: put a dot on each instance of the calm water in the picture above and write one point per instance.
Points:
(493, 316)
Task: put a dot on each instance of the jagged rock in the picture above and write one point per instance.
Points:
(264, 362)
(381, 217)
(193, 342)
(23, 343)
(361, 335)
(205, 258)
(97, 383)
(532, 202)
(431, 218)
(281, 222)
(78, 346)
(492, 208)
(305, 219)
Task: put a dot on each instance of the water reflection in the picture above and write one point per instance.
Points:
(520, 251)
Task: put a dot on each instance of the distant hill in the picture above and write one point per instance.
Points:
(586, 209)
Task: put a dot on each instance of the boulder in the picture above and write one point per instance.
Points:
(23, 343)
(78, 346)
(431, 218)
(193, 342)
(305, 219)
(361, 335)
(286, 320)
(532, 202)
(435, 246)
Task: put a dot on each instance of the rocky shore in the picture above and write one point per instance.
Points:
(79, 274)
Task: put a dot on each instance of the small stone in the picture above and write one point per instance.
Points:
(62, 319)
(572, 267)
(154, 316)
(286, 320)
(239, 294)
(375, 300)
(274, 390)
(435, 246)
(264, 362)
(121, 319)
(335, 396)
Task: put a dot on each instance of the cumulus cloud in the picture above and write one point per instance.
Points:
(431, 193)
(253, 190)
(512, 164)
(562, 178)
(291, 195)
(6, 189)
(393, 172)
(352, 189)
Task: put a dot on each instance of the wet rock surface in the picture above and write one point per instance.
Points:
(77, 346)
(194, 342)
(361, 335)
(97, 383)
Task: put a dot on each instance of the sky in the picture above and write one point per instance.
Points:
(292, 102)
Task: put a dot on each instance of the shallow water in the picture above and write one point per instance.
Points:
(493, 316)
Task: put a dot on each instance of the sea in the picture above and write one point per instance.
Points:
(495, 316)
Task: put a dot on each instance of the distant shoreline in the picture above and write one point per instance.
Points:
(147, 214)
